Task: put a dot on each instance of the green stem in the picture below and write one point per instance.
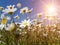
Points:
(16, 41)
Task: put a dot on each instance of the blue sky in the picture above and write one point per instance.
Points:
(24, 3)
(28, 3)
(37, 5)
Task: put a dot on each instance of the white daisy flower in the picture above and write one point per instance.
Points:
(7, 28)
(19, 5)
(17, 17)
(25, 23)
(2, 26)
(10, 9)
(24, 32)
(39, 15)
(34, 21)
(1, 8)
(4, 19)
(29, 11)
(24, 10)
(10, 27)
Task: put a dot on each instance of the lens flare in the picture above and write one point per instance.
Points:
(50, 11)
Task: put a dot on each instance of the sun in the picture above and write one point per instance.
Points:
(50, 10)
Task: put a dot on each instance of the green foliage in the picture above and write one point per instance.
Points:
(29, 37)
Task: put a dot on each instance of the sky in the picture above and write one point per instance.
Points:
(37, 5)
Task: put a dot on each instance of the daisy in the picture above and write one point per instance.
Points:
(17, 17)
(19, 5)
(24, 10)
(34, 21)
(2, 26)
(10, 9)
(39, 15)
(7, 27)
(25, 23)
(1, 8)
(4, 20)
(24, 32)
(10, 27)
(29, 11)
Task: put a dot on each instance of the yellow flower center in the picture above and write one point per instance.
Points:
(25, 23)
(10, 7)
(4, 20)
(24, 11)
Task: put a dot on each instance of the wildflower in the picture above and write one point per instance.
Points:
(18, 29)
(4, 20)
(24, 32)
(19, 5)
(29, 11)
(10, 9)
(10, 27)
(25, 23)
(2, 26)
(17, 17)
(46, 17)
(1, 8)
(45, 34)
(34, 21)
(39, 15)
(24, 10)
